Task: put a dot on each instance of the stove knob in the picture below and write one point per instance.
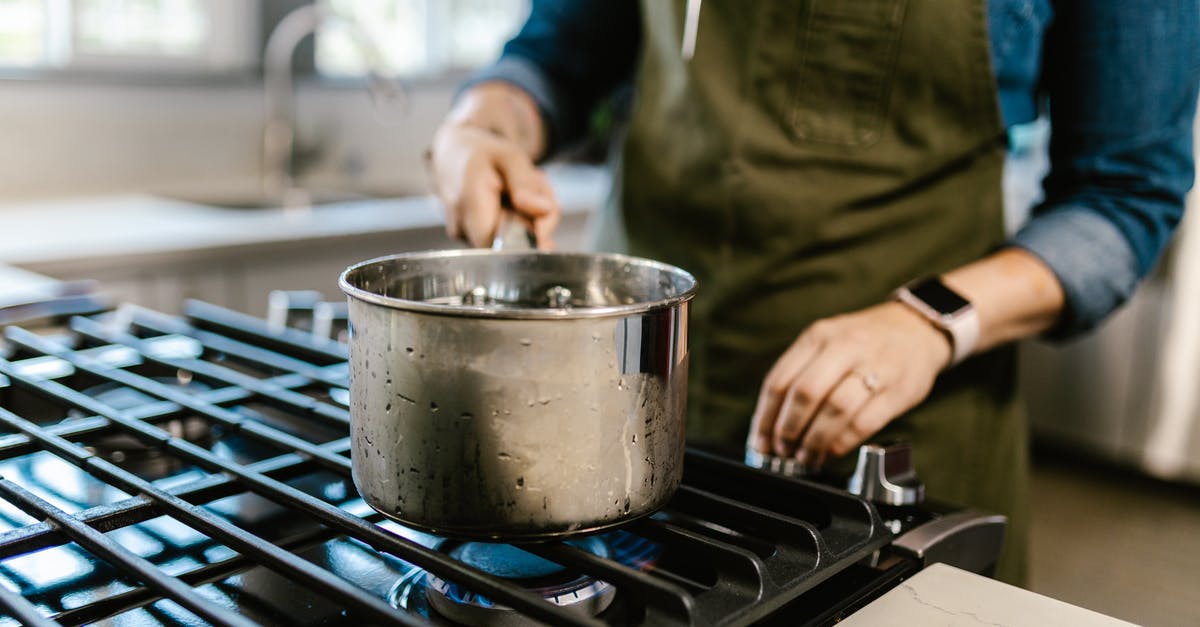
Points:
(885, 475)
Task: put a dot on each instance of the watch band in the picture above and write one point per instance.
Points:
(946, 310)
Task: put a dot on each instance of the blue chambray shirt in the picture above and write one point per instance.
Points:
(1119, 79)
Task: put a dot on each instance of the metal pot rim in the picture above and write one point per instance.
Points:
(483, 311)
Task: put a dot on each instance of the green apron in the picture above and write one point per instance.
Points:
(813, 156)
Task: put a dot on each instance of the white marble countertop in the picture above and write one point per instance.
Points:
(944, 595)
(17, 285)
(128, 227)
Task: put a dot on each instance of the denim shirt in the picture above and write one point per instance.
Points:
(1118, 79)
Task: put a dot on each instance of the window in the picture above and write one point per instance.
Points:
(198, 35)
(418, 37)
(22, 25)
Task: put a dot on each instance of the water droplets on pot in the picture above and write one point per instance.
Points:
(503, 439)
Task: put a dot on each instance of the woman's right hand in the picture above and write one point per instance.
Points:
(484, 152)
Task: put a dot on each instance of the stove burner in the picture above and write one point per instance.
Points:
(556, 584)
(424, 592)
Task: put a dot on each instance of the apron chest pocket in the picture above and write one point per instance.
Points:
(846, 57)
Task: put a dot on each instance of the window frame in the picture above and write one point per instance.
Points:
(231, 48)
(233, 55)
(438, 21)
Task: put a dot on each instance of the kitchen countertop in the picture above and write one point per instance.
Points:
(944, 595)
(130, 228)
(16, 278)
(17, 285)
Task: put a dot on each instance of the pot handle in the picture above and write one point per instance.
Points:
(512, 233)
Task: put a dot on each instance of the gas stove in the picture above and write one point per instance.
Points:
(195, 469)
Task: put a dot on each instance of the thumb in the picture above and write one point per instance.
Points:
(528, 187)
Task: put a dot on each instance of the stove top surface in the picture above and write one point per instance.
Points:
(195, 470)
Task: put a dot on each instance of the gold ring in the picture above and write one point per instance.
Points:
(869, 381)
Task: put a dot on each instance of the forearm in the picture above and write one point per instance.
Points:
(505, 111)
(1015, 294)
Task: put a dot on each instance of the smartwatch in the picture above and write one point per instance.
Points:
(945, 309)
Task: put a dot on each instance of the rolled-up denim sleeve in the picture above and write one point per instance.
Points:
(568, 56)
(1092, 259)
(1122, 80)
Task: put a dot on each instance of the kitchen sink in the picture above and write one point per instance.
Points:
(299, 198)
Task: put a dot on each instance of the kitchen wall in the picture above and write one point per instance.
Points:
(82, 137)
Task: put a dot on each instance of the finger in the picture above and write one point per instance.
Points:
(545, 224)
(453, 228)
(545, 227)
(808, 390)
(528, 189)
(531, 195)
(873, 416)
(447, 186)
(478, 210)
(834, 417)
(774, 388)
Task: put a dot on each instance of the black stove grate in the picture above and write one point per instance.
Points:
(750, 541)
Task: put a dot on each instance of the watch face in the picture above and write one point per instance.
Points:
(941, 298)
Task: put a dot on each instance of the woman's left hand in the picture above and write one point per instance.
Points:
(844, 379)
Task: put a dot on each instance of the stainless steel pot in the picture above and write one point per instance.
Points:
(517, 395)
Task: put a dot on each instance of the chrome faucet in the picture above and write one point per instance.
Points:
(279, 127)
